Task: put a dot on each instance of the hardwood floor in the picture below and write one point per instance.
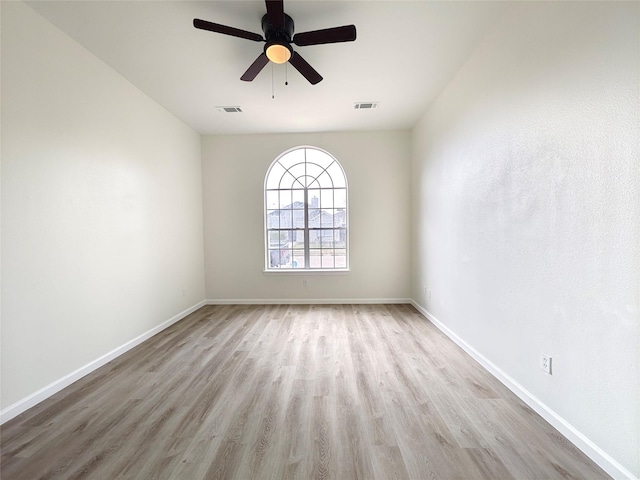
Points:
(290, 391)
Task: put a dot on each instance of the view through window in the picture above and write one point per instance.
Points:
(306, 212)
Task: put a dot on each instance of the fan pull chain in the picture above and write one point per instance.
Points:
(272, 91)
(286, 73)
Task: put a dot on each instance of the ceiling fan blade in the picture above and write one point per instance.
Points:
(255, 68)
(224, 29)
(305, 69)
(346, 33)
(275, 12)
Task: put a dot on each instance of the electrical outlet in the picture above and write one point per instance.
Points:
(545, 363)
(184, 292)
(305, 283)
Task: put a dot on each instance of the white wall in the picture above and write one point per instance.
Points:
(377, 169)
(525, 175)
(101, 208)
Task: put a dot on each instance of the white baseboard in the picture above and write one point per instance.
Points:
(595, 453)
(54, 387)
(306, 301)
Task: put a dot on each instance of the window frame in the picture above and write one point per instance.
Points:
(307, 206)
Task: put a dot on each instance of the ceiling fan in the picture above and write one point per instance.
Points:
(278, 28)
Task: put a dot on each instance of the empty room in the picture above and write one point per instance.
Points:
(320, 239)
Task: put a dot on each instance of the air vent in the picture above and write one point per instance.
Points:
(229, 109)
(365, 105)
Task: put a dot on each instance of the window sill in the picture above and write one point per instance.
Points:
(298, 271)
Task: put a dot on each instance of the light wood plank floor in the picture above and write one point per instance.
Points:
(290, 391)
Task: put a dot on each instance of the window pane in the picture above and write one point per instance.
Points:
(314, 258)
(285, 258)
(298, 170)
(279, 238)
(287, 181)
(327, 259)
(274, 258)
(272, 199)
(340, 237)
(319, 157)
(285, 218)
(298, 218)
(340, 198)
(341, 261)
(314, 185)
(314, 170)
(314, 218)
(340, 218)
(297, 197)
(313, 196)
(274, 238)
(326, 218)
(285, 199)
(337, 175)
(292, 157)
(273, 219)
(298, 239)
(298, 259)
(325, 180)
(314, 238)
(326, 198)
(273, 180)
(310, 181)
(327, 238)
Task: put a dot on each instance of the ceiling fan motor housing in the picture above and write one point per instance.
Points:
(281, 35)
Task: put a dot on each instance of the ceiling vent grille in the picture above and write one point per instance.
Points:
(365, 105)
(229, 109)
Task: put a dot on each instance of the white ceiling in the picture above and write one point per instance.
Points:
(405, 53)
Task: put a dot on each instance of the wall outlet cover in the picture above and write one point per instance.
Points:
(545, 363)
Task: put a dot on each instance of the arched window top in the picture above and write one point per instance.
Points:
(305, 167)
(306, 212)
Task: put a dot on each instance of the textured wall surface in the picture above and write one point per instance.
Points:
(377, 169)
(526, 212)
(101, 208)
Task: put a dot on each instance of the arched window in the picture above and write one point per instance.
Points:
(306, 212)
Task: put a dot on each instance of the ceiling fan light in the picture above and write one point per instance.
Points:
(278, 53)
